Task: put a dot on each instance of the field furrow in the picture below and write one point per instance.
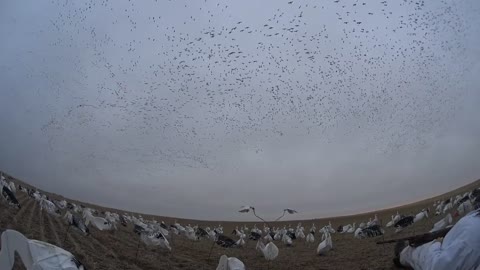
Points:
(25, 208)
(52, 230)
(41, 224)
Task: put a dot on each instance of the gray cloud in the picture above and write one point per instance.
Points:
(157, 107)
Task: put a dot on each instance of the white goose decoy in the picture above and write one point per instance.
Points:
(362, 225)
(241, 241)
(211, 234)
(300, 234)
(35, 254)
(99, 222)
(464, 207)
(268, 238)
(390, 223)
(325, 245)
(352, 228)
(369, 223)
(443, 223)
(12, 187)
(397, 218)
(330, 228)
(287, 240)
(8, 195)
(420, 216)
(269, 251)
(310, 236)
(439, 208)
(49, 206)
(190, 234)
(375, 221)
(356, 234)
(77, 222)
(156, 239)
(447, 207)
(230, 263)
(61, 204)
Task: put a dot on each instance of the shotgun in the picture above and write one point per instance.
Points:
(420, 239)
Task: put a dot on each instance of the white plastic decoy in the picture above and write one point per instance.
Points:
(35, 255)
(269, 251)
(230, 263)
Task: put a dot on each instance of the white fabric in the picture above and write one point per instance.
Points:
(460, 249)
(50, 257)
(35, 255)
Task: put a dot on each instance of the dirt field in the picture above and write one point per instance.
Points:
(117, 249)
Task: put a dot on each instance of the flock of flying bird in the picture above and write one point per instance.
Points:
(152, 233)
(211, 76)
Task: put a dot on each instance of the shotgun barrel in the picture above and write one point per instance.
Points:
(419, 239)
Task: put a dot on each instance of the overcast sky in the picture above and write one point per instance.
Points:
(195, 108)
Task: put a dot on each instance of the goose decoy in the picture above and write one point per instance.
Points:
(230, 263)
(35, 254)
(269, 251)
